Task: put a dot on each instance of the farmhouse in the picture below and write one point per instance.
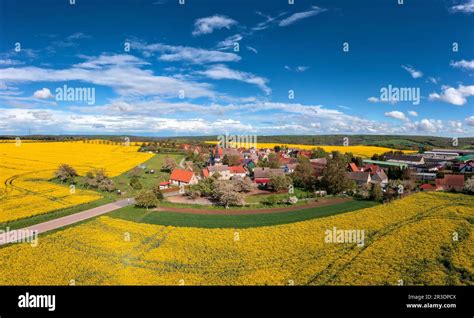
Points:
(182, 177)
(237, 171)
(263, 175)
(450, 182)
(360, 177)
(223, 171)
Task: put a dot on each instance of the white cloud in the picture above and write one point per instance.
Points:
(374, 99)
(9, 62)
(44, 93)
(300, 15)
(396, 115)
(429, 125)
(455, 96)
(229, 42)
(252, 49)
(467, 65)
(414, 73)
(219, 72)
(298, 69)
(209, 24)
(470, 121)
(126, 79)
(413, 113)
(467, 7)
(188, 54)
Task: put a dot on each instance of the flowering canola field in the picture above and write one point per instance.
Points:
(358, 150)
(409, 242)
(26, 168)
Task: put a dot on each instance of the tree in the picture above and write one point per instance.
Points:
(273, 161)
(303, 176)
(135, 183)
(135, 172)
(157, 191)
(98, 179)
(205, 186)
(334, 178)
(146, 199)
(243, 185)
(469, 186)
(169, 164)
(319, 153)
(226, 195)
(231, 160)
(65, 173)
(376, 193)
(279, 182)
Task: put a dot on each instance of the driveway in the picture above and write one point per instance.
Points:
(70, 219)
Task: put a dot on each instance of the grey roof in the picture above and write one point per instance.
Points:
(359, 176)
(266, 172)
(218, 168)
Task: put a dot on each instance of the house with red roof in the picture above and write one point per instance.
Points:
(450, 182)
(237, 171)
(164, 185)
(183, 177)
(353, 167)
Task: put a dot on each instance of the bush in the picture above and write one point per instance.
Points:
(135, 183)
(146, 199)
(271, 200)
(65, 173)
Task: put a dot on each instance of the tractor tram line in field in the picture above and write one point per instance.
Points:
(333, 269)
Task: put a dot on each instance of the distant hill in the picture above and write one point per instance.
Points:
(390, 141)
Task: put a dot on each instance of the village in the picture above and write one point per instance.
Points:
(317, 173)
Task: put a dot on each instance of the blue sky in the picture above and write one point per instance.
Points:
(184, 76)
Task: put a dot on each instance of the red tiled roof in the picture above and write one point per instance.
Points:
(237, 169)
(427, 186)
(164, 183)
(182, 175)
(262, 180)
(205, 172)
(353, 166)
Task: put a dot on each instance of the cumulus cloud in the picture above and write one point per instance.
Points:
(467, 7)
(454, 96)
(126, 78)
(414, 73)
(413, 113)
(396, 115)
(463, 64)
(218, 72)
(207, 25)
(44, 93)
(300, 15)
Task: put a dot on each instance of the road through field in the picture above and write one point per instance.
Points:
(68, 220)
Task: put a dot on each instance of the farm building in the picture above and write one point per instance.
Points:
(183, 177)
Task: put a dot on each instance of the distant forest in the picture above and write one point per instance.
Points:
(391, 141)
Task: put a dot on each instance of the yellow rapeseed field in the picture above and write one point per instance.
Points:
(359, 150)
(26, 168)
(410, 241)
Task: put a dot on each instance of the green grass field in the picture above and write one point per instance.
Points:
(234, 221)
